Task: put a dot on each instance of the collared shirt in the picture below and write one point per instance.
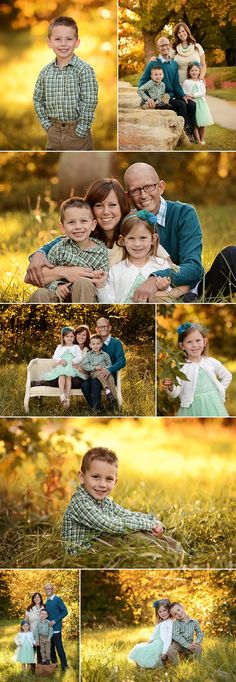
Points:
(44, 629)
(67, 252)
(161, 213)
(93, 360)
(153, 90)
(107, 340)
(86, 519)
(183, 632)
(67, 94)
(164, 59)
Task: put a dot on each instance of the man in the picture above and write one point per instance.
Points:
(56, 612)
(183, 104)
(114, 348)
(186, 635)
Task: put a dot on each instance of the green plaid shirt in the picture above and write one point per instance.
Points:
(67, 252)
(67, 94)
(153, 90)
(86, 519)
(183, 632)
(91, 360)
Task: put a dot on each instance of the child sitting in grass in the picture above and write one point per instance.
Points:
(91, 514)
(78, 248)
(184, 630)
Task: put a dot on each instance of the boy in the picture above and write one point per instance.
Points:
(95, 360)
(184, 628)
(77, 222)
(152, 93)
(43, 634)
(65, 94)
(91, 514)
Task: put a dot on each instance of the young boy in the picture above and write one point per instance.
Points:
(184, 628)
(65, 94)
(152, 93)
(77, 222)
(43, 634)
(97, 359)
(91, 514)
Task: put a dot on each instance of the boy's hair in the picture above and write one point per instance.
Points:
(72, 202)
(62, 21)
(126, 226)
(193, 327)
(157, 68)
(174, 603)
(103, 454)
(96, 336)
(44, 611)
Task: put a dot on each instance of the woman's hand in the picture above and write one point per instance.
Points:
(168, 384)
(34, 273)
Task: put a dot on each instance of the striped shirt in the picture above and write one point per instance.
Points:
(183, 632)
(92, 360)
(153, 90)
(68, 94)
(67, 252)
(86, 519)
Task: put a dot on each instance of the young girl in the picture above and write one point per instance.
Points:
(152, 654)
(202, 394)
(142, 255)
(195, 87)
(66, 355)
(25, 646)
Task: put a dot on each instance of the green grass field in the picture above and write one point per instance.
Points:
(19, 229)
(138, 391)
(104, 657)
(12, 672)
(188, 482)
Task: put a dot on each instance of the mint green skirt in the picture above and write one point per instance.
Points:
(207, 401)
(147, 654)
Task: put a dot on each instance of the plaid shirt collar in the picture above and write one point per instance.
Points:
(161, 213)
(72, 62)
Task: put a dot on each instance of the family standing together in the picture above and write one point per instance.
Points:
(40, 637)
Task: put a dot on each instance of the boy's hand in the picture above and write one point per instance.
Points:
(151, 103)
(192, 646)
(168, 383)
(34, 274)
(104, 373)
(162, 283)
(63, 291)
(101, 279)
(163, 657)
(158, 530)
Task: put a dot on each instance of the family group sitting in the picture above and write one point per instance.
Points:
(175, 633)
(175, 80)
(112, 253)
(40, 637)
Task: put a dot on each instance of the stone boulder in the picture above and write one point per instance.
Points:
(147, 129)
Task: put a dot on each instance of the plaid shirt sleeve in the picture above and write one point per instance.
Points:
(88, 100)
(40, 103)
(199, 633)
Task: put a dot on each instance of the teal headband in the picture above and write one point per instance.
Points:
(149, 218)
(66, 330)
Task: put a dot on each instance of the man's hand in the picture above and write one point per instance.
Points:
(187, 97)
(34, 273)
(162, 283)
(145, 291)
(63, 291)
(52, 622)
(151, 103)
(158, 530)
(74, 272)
(168, 383)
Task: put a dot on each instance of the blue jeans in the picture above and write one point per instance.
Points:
(91, 388)
(56, 645)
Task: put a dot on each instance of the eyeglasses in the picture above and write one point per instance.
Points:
(145, 188)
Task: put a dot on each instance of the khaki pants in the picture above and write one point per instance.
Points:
(109, 382)
(45, 647)
(62, 136)
(175, 649)
(82, 291)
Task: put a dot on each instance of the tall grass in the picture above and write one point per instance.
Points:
(104, 657)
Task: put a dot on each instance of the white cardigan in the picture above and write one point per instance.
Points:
(220, 376)
(122, 276)
(74, 350)
(165, 627)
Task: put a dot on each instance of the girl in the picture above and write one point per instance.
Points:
(142, 255)
(25, 646)
(152, 654)
(202, 394)
(195, 87)
(66, 355)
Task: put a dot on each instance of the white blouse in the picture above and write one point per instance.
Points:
(74, 349)
(165, 627)
(194, 88)
(185, 390)
(21, 636)
(122, 276)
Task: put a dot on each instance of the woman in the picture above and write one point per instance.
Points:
(32, 615)
(186, 51)
(82, 337)
(152, 654)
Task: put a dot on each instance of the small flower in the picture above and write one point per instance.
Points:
(183, 327)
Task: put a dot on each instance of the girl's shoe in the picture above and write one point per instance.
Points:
(203, 142)
(62, 397)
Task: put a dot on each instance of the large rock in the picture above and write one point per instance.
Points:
(147, 129)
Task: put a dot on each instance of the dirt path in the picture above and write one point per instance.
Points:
(223, 112)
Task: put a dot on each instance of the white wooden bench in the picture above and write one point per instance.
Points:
(37, 368)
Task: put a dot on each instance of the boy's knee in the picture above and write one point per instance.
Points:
(172, 654)
(43, 295)
(83, 291)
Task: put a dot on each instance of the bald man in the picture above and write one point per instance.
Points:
(56, 612)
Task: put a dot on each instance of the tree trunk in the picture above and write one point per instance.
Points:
(149, 45)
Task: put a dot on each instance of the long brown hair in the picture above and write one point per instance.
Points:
(177, 41)
(99, 191)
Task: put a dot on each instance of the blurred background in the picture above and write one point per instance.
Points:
(24, 52)
(32, 186)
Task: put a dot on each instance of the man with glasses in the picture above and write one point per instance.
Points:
(182, 104)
